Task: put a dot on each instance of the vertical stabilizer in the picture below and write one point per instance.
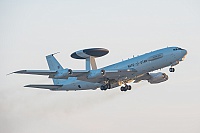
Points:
(54, 65)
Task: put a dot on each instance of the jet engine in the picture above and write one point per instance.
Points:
(61, 74)
(157, 77)
(96, 74)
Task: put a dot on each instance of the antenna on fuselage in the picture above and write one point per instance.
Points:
(55, 53)
(89, 55)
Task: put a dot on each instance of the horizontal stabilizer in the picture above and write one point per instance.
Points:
(37, 72)
(50, 87)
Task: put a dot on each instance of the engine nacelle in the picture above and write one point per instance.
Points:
(96, 74)
(62, 74)
(157, 78)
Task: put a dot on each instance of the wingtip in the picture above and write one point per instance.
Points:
(20, 72)
(27, 86)
(9, 73)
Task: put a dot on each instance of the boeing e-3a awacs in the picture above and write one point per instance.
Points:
(118, 74)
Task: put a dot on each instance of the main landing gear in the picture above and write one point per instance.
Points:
(172, 69)
(108, 86)
(105, 87)
(125, 88)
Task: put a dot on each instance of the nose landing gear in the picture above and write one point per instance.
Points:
(172, 69)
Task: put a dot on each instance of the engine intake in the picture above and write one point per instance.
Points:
(62, 74)
(96, 74)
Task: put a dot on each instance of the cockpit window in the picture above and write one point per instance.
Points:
(180, 49)
(177, 49)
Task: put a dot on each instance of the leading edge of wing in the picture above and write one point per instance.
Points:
(37, 72)
(50, 87)
(113, 74)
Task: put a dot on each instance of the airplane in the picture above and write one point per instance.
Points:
(121, 74)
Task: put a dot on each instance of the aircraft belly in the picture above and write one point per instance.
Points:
(81, 85)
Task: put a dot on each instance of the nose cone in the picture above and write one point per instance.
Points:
(184, 52)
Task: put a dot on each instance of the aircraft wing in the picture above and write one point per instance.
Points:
(121, 73)
(50, 87)
(109, 74)
(37, 72)
(83, 75)
(79, 73)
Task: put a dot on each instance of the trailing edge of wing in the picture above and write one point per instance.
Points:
(51, 87)
(37, 72)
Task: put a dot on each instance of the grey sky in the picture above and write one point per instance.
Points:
(32, 29)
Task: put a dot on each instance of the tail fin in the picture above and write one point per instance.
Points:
(54, 65)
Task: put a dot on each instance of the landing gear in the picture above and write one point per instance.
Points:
(129, 87)
(171, 69)
(105, 87)
(125, 88)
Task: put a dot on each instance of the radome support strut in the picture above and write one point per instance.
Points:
(89, 55)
